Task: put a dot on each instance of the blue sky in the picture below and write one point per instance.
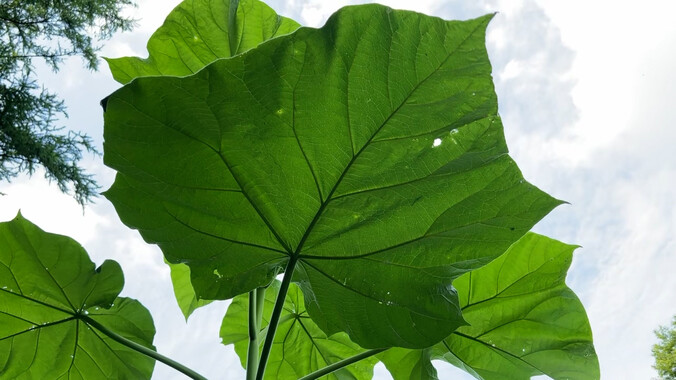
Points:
(586, 92)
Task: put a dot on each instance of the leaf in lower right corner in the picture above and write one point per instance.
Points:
(524, 321)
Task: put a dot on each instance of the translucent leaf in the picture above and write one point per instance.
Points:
(183, 290)
(524, 321)
(198, 32)
(300, 347)
(194, 34)
(369, 153)
(50, 296)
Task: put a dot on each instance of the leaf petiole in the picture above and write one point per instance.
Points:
(142, 349)
(260, 304)
(343, 363)
(276, 313)
(256, 304)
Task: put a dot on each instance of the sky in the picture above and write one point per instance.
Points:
(586, 93)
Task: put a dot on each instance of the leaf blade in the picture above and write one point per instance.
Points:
(183, 290)
(300, 347)
(48, 283)
(524, 320)
(281, 165)
(194, 33)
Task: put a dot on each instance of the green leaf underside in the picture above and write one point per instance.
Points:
(192, 36)
(370, 149)
(48, 289)
(524, 321)
(409, 364)
(198, 32)
(183, 290)
(300, 347)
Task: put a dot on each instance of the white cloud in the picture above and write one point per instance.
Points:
(43, 204)
(612, 41)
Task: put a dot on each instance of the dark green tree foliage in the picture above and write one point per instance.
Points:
(665, 351)
(29, 134)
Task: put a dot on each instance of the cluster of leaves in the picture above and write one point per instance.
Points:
(523, 321)
(29, 135)
(665, 351)
(364, 160)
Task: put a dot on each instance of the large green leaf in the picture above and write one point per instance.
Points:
(198, 32)
(524, 321)
(50, 292)
(300, 347)
(368, 153)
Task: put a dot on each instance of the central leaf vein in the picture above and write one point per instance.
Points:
(38, 327)
(495, 348)
(295, 134)
(312, 340)
(21, 295)
(339, 283)
(329, 197)
(223, 238)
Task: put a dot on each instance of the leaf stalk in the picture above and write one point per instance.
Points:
(254, 328)
(343, 363)
(142, 349)
(276, 313)
(260, 304)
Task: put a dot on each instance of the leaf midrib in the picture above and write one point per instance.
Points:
(35, 258)
(40, 326)
(408, 308)
(20, 295)
(426, 234)
(312, 340)
(531, 272)
(490, 347)
(329, 197)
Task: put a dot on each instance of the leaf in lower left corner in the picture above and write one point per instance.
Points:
(49, 290)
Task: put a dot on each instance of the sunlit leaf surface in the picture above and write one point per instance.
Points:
(198, 32)
(369, 153)
(195, 34)
(183, 290)
(524, 321)
(50, 292)
(300, 347)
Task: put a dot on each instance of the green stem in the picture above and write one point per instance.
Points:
(343, 363)
(254, 327)
(260, 304)
(256, 305)
(276, 313)
(142, 349)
